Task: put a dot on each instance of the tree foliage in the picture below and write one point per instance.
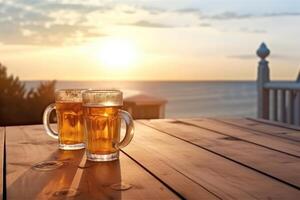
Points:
(17, 106)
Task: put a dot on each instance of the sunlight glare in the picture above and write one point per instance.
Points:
(118, 54)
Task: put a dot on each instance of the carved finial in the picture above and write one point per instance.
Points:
(263, 51)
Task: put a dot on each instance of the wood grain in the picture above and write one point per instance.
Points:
(2, 138)
(280, 144)
(278, 124)
(225, 178)
(164, 170)
(27, 145)
(278, 131)
(272, 163)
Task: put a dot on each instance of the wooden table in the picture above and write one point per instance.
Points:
(167, 159)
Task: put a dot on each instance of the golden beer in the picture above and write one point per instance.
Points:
(70, 122)
(68, 106)
(103, 129)
(102, 116)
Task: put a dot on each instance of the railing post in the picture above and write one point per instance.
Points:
(282, 105)
(263, 76)
(274, 105)
(297, 104)
(290, 106)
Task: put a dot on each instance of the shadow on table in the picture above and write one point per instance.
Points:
(75, 178)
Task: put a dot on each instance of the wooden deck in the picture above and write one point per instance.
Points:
(167, 159)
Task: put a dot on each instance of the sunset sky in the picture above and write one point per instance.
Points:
(148, 39)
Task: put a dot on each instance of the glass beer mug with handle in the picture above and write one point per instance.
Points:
(102, 117)
(68, 106)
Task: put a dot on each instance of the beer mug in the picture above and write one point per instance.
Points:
(68, 106)
(102, 116)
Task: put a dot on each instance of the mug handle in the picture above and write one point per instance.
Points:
(46, 121)
(129, 129)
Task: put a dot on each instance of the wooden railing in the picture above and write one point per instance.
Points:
(276, 100)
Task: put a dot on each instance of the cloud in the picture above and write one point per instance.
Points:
(51, 22)
(20, 14)
(40, 35)
(153, 10)
(258, 31)
(129, 11)
(234, 15)
(144, 23)
(254, 56)
(281, 14)
(228, 15)
(188, 10)
(55, 24)
(244, 56)
(204, 24)
(82, 8)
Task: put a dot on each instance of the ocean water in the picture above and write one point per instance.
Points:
(185, 99)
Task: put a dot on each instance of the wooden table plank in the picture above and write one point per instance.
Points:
(27, 145)
(2, 138)
(225, 178)
(268, 141)
(184, 185)
(258, 126)
(267, 161)
(276, 123)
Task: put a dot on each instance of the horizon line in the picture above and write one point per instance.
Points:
(149, 80)
(139, 80)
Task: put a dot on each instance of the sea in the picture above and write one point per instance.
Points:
(186, 99)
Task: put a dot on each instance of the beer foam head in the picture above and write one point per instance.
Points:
(69, 95)
(102, 98)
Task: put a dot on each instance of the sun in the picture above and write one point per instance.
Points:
(118, 54)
